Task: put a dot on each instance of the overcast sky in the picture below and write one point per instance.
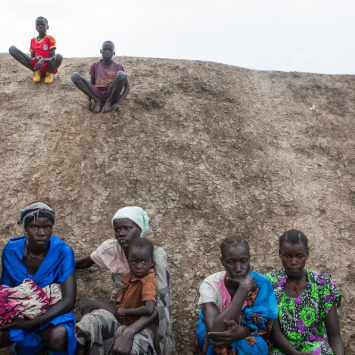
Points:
(305, 35)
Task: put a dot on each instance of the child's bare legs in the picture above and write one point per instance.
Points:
(94, 303)
(88, 308)
(83, 85)
(21, 57)
(55, 62)
(116, 86)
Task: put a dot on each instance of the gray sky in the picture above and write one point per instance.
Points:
(305, 35)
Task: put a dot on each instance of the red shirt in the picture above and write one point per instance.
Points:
(42, 47)
(104, 76)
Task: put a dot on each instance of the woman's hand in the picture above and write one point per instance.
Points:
(17, 323)
(123, 344)
(233, 333)
(247, 282)
(281, 342)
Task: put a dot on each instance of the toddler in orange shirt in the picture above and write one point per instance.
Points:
(137, 296)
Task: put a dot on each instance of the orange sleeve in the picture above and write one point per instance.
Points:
(51, 42)
(31, 47)
(119, 296)
(149, 289)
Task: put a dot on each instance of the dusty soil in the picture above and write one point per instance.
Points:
(207, 149)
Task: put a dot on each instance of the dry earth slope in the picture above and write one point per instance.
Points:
(207, 149)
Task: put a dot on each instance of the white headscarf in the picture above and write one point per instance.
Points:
(135, 214)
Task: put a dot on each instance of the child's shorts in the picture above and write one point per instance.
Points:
(103, 95)
(45, 68)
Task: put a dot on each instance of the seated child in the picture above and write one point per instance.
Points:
(27, 300)
(308, 302)
(43, 60)
(107, 81)
(135, 299)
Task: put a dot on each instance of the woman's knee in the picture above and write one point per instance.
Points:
(56, 339)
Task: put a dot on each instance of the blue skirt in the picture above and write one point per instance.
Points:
(30, 341)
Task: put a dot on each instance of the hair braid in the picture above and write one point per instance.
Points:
(294, 236)
(232, 242)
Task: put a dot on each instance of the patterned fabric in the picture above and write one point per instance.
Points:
(37, 210)
(258, 313)
(56, 267)
(101, 328)
(109, 255)
(110, 252)
(135, 214)
(27, 300)
(302, 318)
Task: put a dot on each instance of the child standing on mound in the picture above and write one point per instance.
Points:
(135, 299)
(43, 60)
(107, 81)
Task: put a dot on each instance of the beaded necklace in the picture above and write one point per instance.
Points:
(32, 256)
(297, 284)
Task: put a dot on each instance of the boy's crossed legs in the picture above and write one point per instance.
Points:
(111, 104)
(25, 60)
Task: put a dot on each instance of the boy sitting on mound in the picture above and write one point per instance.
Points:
(43, 60)
(107, 81)
(135, 299)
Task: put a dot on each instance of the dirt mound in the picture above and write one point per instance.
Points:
(207, 149)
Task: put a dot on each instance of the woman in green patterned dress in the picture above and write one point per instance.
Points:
(308, 302)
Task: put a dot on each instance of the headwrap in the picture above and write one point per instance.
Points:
(136, 215)
(36, 210)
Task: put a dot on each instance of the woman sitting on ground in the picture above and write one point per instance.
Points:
(99, 332)
(308, 302)
(44, 258)
(236, 295)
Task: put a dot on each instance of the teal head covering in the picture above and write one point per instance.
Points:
(135, 214)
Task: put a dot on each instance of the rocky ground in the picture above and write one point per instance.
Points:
(207, 149)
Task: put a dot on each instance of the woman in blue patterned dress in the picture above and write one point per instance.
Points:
(237, 297)
(307, 301)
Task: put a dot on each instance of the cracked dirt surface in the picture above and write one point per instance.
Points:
(207, 149)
